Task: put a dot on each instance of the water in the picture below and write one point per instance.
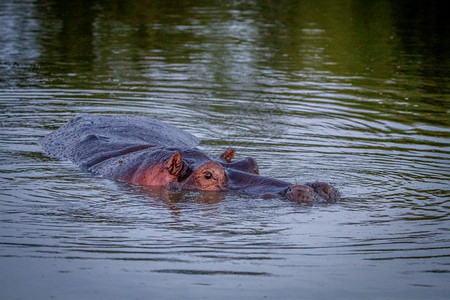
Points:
(353, 93)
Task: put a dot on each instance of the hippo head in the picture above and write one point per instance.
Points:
(203, 173)
(196, 171)
(190, 170)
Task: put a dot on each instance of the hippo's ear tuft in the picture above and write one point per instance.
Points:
(175, 164)
(228, 155)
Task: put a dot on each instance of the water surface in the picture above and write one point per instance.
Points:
(349, 92)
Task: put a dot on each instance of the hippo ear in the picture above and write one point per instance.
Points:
(228, 155)
(175, 164)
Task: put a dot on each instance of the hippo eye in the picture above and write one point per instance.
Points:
(208, 175)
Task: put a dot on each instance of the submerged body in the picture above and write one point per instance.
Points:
(149, 152)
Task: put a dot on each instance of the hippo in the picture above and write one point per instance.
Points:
(149, 152)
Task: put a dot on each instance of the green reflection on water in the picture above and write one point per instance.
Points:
(394, 53)
(350, 37)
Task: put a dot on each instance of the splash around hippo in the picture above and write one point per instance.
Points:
(149, 152)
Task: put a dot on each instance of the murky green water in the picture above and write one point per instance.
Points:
(355, 93)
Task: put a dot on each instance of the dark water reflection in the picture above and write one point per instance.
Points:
(354, 93)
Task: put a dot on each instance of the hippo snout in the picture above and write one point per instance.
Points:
(300, 193)
(312, 192)
(326, 193)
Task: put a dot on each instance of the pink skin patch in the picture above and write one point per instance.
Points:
(157, 175)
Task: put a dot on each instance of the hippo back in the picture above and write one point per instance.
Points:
(90, 139)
